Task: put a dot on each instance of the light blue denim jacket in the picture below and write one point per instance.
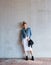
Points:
(26, 33)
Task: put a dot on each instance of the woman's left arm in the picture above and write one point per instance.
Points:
(30, 33)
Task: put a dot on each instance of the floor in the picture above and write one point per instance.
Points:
(37, 61)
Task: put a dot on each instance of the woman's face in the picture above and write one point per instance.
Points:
(25, 26)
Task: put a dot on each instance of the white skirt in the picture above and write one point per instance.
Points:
(25, 45)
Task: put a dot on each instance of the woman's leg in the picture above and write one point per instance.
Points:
(26, 55)
(31, 51)
(32, 55)
(24, 42)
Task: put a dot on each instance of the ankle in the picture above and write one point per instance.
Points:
(26, 57)
(32, 58)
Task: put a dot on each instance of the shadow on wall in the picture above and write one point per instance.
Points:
(19, 26)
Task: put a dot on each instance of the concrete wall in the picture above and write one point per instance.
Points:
(37, 13)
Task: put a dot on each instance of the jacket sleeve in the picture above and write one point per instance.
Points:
(30, 33)
(21, 35)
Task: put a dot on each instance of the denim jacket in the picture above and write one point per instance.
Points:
(25, 33)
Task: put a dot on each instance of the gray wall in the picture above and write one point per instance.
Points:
(37, 13)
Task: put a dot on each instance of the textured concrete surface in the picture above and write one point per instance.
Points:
(37, 13)
(37, 61)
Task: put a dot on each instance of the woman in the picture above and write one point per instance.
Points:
(25, 36)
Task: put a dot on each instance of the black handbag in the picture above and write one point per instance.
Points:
(30, 43)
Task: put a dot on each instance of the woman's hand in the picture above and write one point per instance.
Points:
(28, 38)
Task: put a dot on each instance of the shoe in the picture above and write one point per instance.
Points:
(32, 58)
(26, 57)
